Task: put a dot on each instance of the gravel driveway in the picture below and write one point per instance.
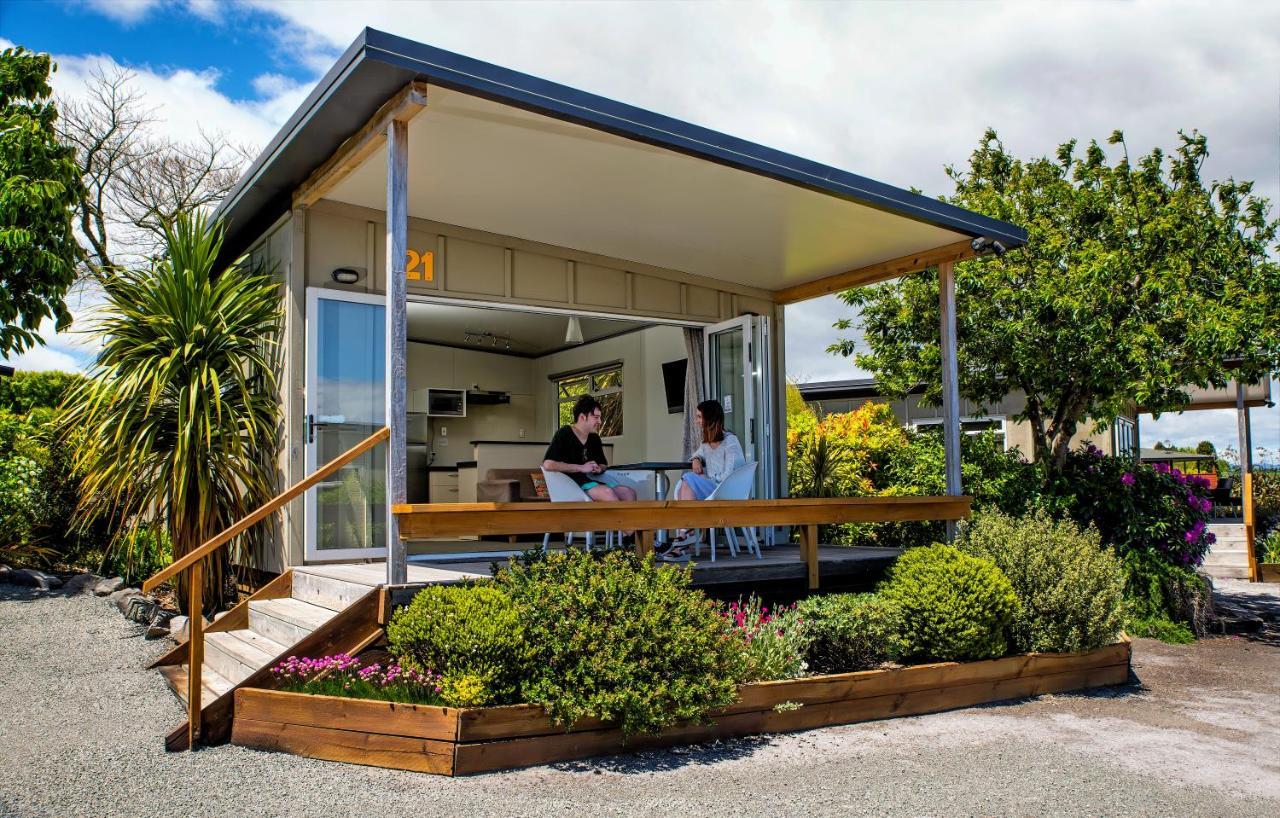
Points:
(81, 722)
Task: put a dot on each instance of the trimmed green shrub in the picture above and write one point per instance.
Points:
(773, 642)
(954, 606)
(622, 640)
(846, 632)
(36, 390)
(473, 636)
(1163, 601)
(1069, 585)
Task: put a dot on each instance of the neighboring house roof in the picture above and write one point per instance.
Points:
(1166, 455)
(839, 390)
(377, 65)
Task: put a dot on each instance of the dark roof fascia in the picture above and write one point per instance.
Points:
(837, 390)
(468, 75)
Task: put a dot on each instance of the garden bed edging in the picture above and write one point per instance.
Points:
(461, 741)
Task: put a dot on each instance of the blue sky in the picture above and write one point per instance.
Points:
(823, 80)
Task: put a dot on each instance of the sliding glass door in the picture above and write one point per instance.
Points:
(346, 515)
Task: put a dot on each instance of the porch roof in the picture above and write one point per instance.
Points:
(509, 153)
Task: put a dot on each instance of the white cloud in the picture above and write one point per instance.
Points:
(41, 359)
(124, 11)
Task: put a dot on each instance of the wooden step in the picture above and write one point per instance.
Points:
(286, 621)
(235, 655)
(1226, 571)
(212, 685)
(334, 594)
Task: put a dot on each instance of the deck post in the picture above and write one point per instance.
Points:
(396, 345)
(950, 382)
(1246, 475)
(195, 651)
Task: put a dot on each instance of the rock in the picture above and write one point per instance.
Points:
(5, 571)
(159, 624)
(80, 584)
(141, 609)
(32, 578)
(106, 587)
(178, 627)
(121, 598)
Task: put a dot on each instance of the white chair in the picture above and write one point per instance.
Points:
(562, 489)
(738, 485)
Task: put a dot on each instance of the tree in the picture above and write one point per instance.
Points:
(39, 192)
(1206, 447)
(180, 412)
(1138, 282)
(137, 183)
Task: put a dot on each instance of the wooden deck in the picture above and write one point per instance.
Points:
(783, 563)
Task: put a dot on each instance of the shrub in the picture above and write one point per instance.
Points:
(25, 391)
(773, 643)
(622, 640)
(954, 606)
(472, 635)
(1167, 602)
(1135, 507)
(1069, 585)
(343, 675)
(846, 632)
(139, 554)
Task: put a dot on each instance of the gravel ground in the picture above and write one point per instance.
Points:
(1196, 733)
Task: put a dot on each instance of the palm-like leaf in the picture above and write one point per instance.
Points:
(181, 414)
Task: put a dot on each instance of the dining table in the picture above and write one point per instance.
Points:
(659, 469)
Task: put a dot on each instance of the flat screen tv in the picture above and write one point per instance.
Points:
(673, 381)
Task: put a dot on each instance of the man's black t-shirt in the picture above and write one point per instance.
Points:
(566, 448)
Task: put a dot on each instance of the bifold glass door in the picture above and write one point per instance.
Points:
(346, 341)
(739, 375)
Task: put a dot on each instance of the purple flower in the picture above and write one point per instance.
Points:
(1128, 478)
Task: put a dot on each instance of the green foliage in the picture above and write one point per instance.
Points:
(473, 636)
(1069, 586)
(622, 640)
(38, 493)
(773, 643)
(1138, 280)
(25, 391)
(1271, 547)
(40, 191)
(954, 606)
(139, 554)
(178, 422)
(1164, 601)
(847, 632)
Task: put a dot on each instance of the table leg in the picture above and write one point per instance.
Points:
(660, 486)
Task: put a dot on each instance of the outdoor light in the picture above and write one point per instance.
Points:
(573, 333)
(346, 275)
(985, 246)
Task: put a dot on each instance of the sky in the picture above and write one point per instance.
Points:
(893, 91)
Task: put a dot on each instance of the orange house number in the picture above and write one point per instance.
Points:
(420, 266)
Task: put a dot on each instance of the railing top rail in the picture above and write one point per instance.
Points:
(209, 546)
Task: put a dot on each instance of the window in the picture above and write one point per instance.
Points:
(604, 384)
(1123, 434)
(972, 426)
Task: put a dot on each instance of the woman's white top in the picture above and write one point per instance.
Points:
(723, 459)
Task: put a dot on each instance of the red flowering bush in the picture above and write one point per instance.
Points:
(773, 642)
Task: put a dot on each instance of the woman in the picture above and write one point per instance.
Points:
(714, 460)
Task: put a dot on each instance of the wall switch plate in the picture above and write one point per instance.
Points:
(443, 443)
(444, 431)
(522, 434)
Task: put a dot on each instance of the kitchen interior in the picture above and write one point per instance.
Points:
(486, 388)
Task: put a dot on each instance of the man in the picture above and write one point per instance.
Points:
(576, 450)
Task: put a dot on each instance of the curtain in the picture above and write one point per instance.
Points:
(693, 387)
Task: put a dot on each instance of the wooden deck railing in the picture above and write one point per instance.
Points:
(646, 517)
(193, 563)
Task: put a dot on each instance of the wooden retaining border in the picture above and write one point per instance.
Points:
(461, 741)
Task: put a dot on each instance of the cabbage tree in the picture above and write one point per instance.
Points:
(181, 410)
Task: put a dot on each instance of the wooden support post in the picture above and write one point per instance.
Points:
(396, 343)
(809, 548)
(950, 382)
(195, 650)
(644, 543)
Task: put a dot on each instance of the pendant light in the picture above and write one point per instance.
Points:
(573, 333)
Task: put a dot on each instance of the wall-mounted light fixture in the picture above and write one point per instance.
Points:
(346, 275)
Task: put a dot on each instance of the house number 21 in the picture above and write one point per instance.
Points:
(420, 266)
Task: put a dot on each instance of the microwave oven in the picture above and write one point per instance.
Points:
(446, 403)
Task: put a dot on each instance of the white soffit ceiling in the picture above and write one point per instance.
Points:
(483, 165)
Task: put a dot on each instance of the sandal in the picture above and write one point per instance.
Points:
(675, 553)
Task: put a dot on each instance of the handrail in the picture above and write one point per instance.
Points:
(209, 546)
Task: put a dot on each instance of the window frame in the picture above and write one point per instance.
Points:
(591, 373)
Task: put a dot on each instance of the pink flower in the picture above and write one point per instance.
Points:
(1128, 478)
